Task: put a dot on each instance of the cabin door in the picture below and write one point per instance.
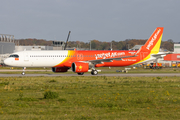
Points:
(26, 56)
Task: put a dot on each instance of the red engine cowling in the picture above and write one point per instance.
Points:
(60, 69)
(80, 67)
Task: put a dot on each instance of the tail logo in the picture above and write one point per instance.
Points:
(153, 39)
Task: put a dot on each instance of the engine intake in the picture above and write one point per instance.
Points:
(80, 67)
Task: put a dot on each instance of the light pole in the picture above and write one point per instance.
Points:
(90, 44)
(111, 44)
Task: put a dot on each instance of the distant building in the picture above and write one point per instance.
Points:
(58, 45)
(176, 48)
(6, 47)
(172, 57)
(6, 44)
(22, 48)
(136, 47)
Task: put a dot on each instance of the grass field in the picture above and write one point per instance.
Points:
(90, 98)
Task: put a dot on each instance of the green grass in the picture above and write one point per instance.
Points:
(96, 97)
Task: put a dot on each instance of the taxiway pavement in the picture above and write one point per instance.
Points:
(88, 74)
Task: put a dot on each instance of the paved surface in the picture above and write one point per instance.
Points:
(88, 74)
(11, 70)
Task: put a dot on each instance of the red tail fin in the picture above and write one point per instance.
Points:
(154, 42)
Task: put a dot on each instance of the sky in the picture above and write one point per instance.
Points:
(103, 20)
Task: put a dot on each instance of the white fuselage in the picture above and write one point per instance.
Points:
(37, 58)
(56, 58)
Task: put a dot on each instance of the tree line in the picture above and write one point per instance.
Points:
(99, 45)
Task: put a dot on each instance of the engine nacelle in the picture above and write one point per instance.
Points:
(80, 67)
(60, 69)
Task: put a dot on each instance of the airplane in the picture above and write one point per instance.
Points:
(82, 61)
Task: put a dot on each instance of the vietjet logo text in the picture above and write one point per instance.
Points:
(153, 39)
(109, 54)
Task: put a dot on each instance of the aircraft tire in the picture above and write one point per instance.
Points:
(94, 72)
(80, 73)
(23, 73)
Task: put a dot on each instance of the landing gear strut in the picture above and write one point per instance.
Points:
(94, 72)
(23, 73)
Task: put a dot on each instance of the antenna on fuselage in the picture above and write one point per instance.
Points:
(67, 40)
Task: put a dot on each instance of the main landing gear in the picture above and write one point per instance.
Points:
(80, 73)
(23, 73)
(94, 72)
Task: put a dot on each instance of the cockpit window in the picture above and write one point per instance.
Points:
(14, 55)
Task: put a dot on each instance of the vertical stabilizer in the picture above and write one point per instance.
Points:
(151, 47)
(154, 42)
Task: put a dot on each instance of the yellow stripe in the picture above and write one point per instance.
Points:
(155, 50)
(70, 52)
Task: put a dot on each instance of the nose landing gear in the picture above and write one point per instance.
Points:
(23, 73)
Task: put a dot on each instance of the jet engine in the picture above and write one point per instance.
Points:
(80, 67)
(60, 69)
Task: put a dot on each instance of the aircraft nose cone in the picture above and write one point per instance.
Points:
(7, 62)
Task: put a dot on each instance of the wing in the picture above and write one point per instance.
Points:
(161, 54)
(98, 61)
